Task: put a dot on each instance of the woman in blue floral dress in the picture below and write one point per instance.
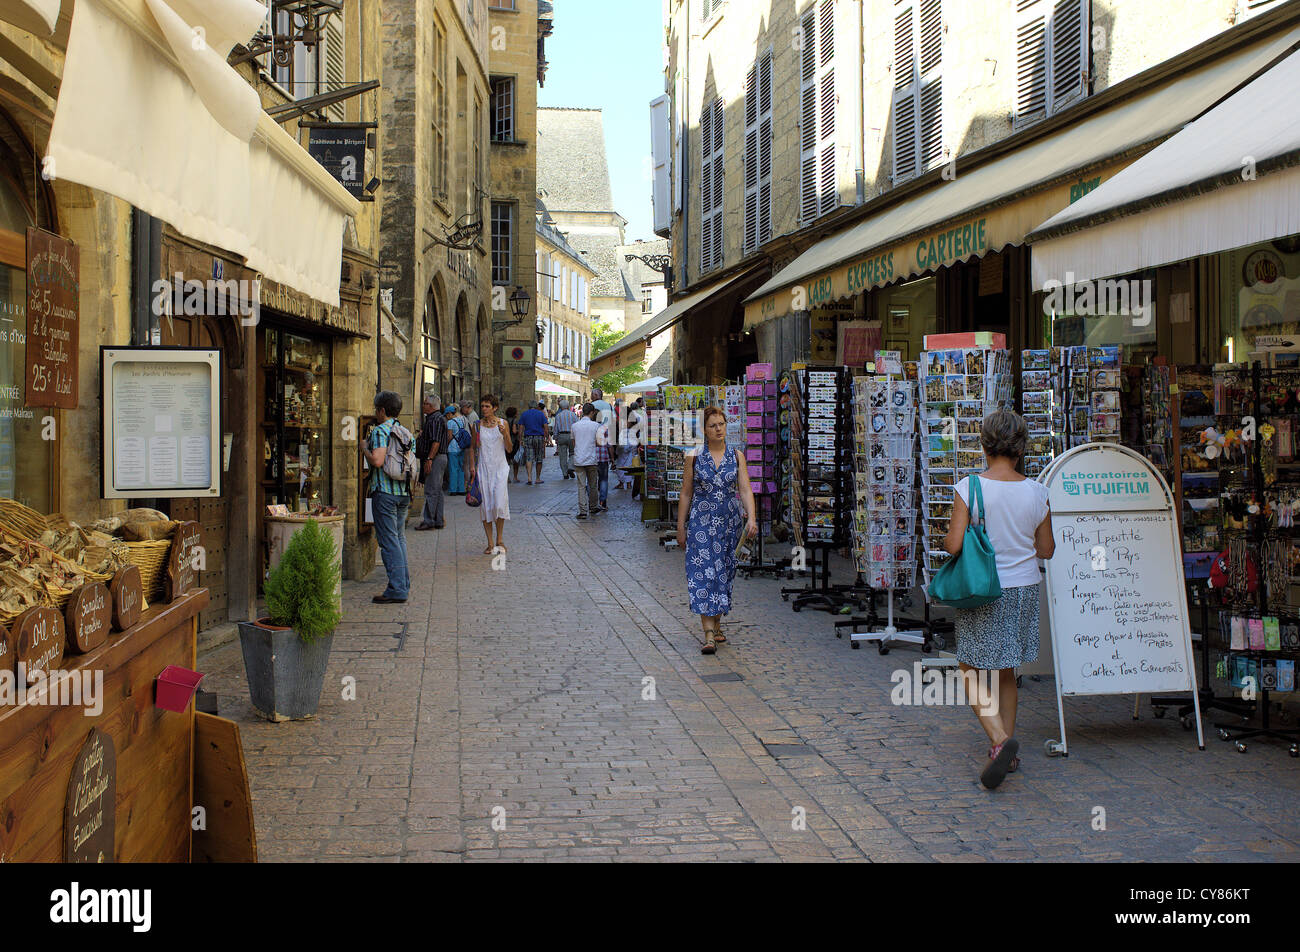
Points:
(714, 474)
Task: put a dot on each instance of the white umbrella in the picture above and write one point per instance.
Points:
(644, 386)
(545, 386)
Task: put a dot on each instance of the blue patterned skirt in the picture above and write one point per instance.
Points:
(711, 538)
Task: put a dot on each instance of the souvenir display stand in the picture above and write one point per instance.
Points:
(821, 467)
(1258, 412)
(761, 411)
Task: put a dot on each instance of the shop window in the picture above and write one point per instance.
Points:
(1260, 288)
(295, 428)
(1105, 313)
(907, 312)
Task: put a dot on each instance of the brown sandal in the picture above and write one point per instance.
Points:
(710, 647)
(718, 636)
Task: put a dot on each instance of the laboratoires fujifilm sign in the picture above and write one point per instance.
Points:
(1107, 483)
(1104, 478)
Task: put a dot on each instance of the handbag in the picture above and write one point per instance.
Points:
(473, 497)
(971, 578)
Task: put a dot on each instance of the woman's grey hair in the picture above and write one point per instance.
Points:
(1004, 433)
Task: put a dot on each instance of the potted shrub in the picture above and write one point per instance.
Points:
(285, 654)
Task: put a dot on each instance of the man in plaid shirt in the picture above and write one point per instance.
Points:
(602, 464)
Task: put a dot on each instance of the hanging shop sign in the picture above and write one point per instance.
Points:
(53, 302)
(89, 827)
(1115, 592)
(345, 318)
(341, 150)
(162, 422)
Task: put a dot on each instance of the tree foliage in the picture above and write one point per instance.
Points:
(603, 337)
(300, 590)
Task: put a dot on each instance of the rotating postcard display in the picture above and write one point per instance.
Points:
(790, 431)
(1086, 387)
(884, 424)
(1040, 410)
(961, 387)
(760, 434)
(824, 463)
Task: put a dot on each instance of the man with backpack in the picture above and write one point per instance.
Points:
(390, 451)
(431, 451)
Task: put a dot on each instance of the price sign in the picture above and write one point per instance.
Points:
(8, 661)
(89, 811)
(53, 304)
(182, 576)
(89, 615)
(39, 634)
(127, 590)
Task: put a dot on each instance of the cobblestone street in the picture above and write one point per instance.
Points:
(521, 695)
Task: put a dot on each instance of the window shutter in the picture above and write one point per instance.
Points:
(706, 188)
(905, 87)
(660, 153)
(719, 130)
(829, 191)
(751, 160)
(1031, 60)
(1069, 49)
(765, 149)
(679, 172)
(333, 60)
(808, 140)
(930, 107)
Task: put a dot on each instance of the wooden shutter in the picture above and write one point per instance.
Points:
(1069, 50)
(758, 154)
(719, 131)
(828, 186)
(930, 104)
(660, 159)
(808, 194)
(706, 188)
(1031, 60)
(905, 89)
(333, 63)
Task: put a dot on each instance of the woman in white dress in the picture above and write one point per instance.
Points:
(490, 463)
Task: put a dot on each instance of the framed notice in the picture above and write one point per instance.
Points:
(858, 342)
(162, 422)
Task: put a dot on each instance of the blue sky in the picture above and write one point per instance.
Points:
(609, 56)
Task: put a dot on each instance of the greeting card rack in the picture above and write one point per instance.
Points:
(821, 469)
(1258, 412)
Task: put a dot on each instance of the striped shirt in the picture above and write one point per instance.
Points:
(564, 421)
(381, 482)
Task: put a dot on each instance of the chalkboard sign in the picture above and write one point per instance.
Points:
(89, 616)
(53, 332)
(90, 808)
(8, 657)
(1115, 590)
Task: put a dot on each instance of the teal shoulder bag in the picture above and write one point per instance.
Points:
(971, 578)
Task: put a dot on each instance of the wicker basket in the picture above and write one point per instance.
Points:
(20, 520)
(151, 559)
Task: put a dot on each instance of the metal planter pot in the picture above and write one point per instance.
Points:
(285, 676)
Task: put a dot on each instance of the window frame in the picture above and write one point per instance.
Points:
(502, 97)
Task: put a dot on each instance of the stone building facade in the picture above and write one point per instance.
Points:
(563, 308)
(436, 158)
(817, 112)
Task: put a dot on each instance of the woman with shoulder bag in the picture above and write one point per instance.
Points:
(999, 636)
(489, 461)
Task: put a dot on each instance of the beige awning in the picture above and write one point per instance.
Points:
(632, 348)
(34, 16)
(989, 206)
(1229, 179)
(149, 111)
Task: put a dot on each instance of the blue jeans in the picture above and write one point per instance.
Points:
(602, 471)
(455, 473)
(390, 530)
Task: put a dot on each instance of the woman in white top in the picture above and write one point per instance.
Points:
(1002, 635)
(489, 462)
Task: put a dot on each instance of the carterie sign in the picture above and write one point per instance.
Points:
(53, 305)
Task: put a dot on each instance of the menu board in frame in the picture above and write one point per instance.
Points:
(162, 422)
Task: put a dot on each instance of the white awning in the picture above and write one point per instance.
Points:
(1008, 191)
(150, 112)
(544, 386)
(34, 16)
(1226, 180)
(644, 386)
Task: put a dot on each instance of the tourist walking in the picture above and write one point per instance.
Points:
(455, 452)
(604, 416)
(431, 450)
(390, 500)
(488, 458)
(516, 456)
(714, 475)
(564, 420)
(1002, 635)
(585, 433)
(536, 428)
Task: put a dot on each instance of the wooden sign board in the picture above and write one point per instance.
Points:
(8, 654)
(127, 590)
(53, 304)
(89, 812)
(182, 576)
(1115, 590)
(89, 616)
(39, 636)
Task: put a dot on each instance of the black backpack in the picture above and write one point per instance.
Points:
(423, 444)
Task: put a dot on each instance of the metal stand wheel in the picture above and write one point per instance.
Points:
(1054, 748)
